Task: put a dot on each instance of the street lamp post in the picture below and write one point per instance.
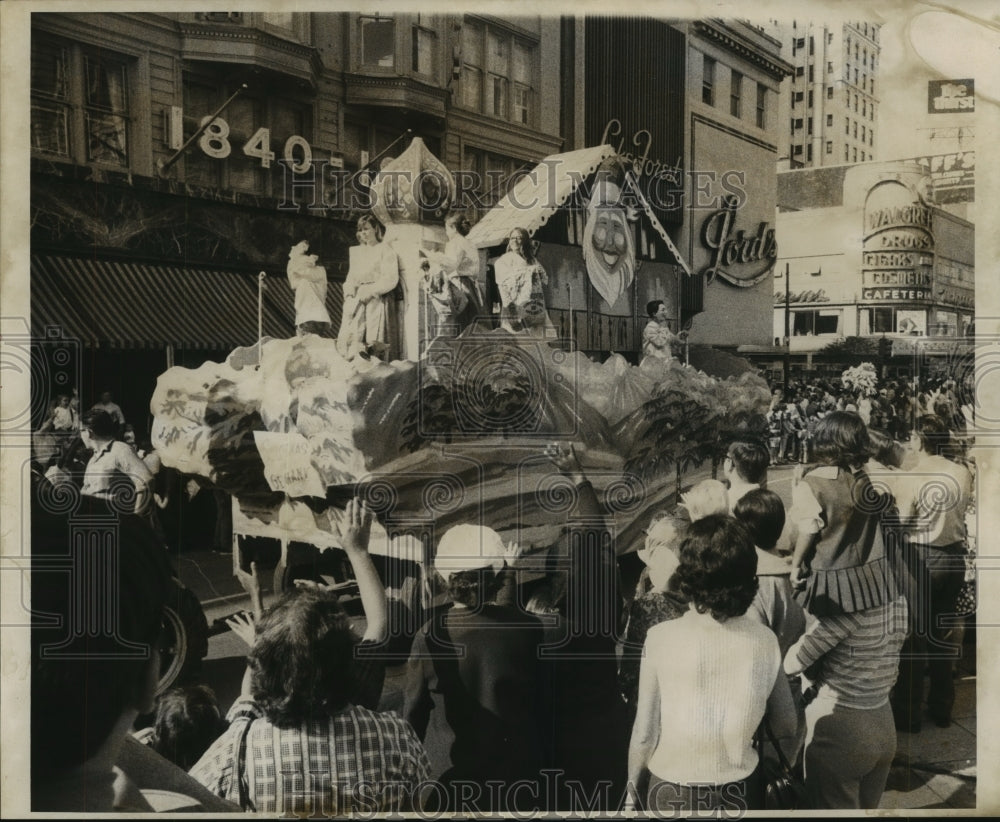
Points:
(788, 339)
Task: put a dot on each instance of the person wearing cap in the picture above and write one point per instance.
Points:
(474, 681)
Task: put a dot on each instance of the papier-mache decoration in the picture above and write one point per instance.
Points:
(608, 241)
(414, 186)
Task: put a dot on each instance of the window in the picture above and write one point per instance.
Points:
(797, 123)
(864, 81)
(864, 108)
(829, 120)
(809, 126)
(378, 42)
(809, 153)
(855, 129)
(847, 126)
(800, 43)
(855, 76)
(800, 71)
(871, 86)
(796, 150)
(862, 156)
(864, 58)
(829, 37)
(829, 146)
(498, 73)
(808, 323)
(85, 119)
(810, 103)
(708, 82)
(855, 102)
(829, 92)
(812, 45)
(862, 134)
(424, 42)
(498, 70)
(735, 94)
(761, 106)
(798, 97)
(871, 137)
(847, 153)
(854, 154)
(812, 76)
(829, 67)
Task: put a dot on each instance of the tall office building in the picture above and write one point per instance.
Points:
(831, 101)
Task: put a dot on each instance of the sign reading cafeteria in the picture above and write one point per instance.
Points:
(897, 258)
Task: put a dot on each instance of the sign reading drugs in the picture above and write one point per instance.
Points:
(950, 96)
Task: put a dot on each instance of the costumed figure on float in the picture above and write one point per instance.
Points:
(308, 282)
(368, 289)
(520, 280)
(452, 279)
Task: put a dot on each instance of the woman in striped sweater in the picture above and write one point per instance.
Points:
(850, 736)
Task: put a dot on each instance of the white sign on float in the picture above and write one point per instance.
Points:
(288, 464)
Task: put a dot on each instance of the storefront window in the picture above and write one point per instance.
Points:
(813, 323)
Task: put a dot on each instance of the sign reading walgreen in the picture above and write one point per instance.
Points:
(950, 96)
(898, 252)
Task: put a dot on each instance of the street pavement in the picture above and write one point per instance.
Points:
(933, 769)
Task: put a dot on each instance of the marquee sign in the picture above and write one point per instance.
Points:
(739, 258)
(897, 260)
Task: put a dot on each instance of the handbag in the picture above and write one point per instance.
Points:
(242, 782)
(784, 789)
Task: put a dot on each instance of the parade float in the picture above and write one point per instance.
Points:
(434, 429)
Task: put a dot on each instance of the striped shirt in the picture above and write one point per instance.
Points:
(857, 654)
(356, 761)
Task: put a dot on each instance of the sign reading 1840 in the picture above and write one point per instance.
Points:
(950, 96)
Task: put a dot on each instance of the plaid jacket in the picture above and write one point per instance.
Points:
(357, 761)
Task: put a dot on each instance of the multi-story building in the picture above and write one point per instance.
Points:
(128, 198)
(865, 253)
(829, 105)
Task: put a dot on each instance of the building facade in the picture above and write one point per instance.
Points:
(867, 254)
(829, 105)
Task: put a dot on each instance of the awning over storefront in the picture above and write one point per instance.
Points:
(545, 189)
(121, 304)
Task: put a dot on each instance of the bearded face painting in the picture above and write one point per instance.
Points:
(608, 244)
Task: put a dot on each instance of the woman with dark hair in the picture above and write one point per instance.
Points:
(706, 681)
(187, 722)
(114, 471)
(298, 740)
(520, 279)
(839, 562)
(371, 278)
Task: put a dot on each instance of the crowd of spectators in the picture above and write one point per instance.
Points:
(529, 689)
